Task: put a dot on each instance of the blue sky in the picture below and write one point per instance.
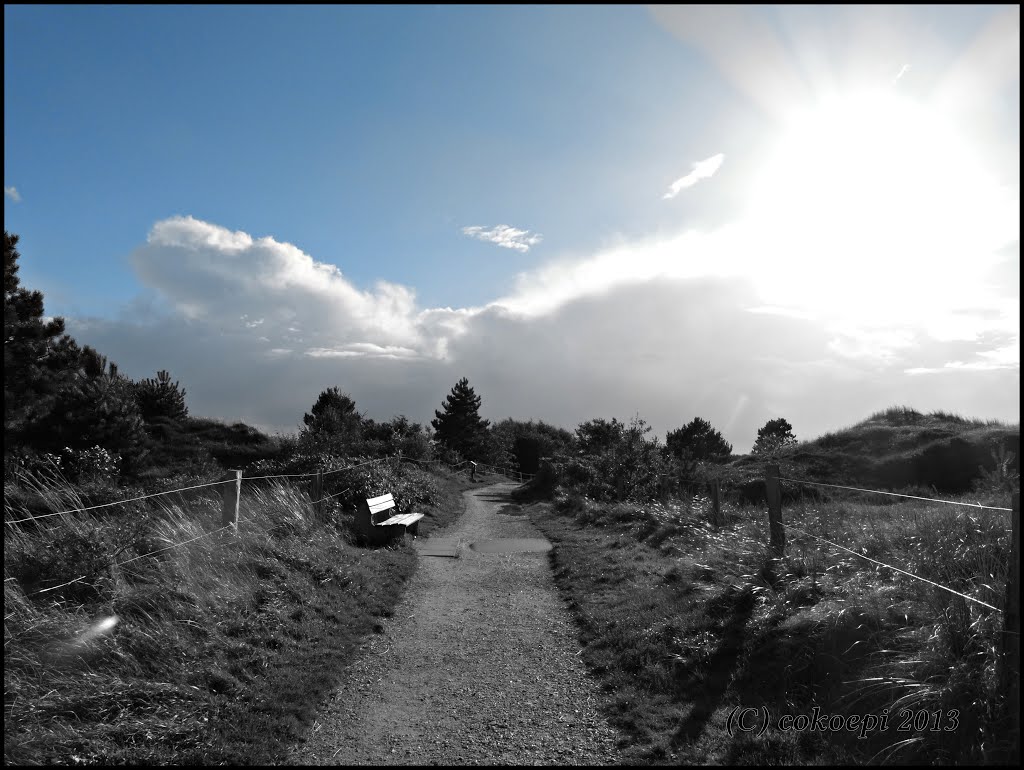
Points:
(737, 213)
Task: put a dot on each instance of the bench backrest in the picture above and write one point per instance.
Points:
(380, 505)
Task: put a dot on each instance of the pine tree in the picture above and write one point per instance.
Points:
(39, 359)
(334, 413)
(98, 411)
(776, 435)
(459, 426)
(160, 398)
(697, 441)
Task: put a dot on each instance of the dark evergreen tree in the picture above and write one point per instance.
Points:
(98, 411)
(459, 426)
(58, 395)
(160, 397)
(774, 436)
(334, 413)
(37, 354)
(697, 441)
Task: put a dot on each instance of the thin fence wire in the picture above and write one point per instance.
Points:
(279, 476)
(487, 465)
(328, 497)
(128, 561)
(359, 465)
(860, 489)
(896, 569)
(184, 489)
(895, 494)
(506, 471)
(120, 502)
(868, 558)
(184, 542)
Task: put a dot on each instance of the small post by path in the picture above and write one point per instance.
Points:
(774, 494)
(232, 493)
(472, 471)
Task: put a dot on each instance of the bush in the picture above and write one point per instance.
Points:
(409, 486)
(95, 463)
(616, 461)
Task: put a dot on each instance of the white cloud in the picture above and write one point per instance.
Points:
(212, 275)
(1005, 357)
(12, 193)
(363, 349)
(703, 169)
(504, 235)
(669, 328)
(784, 311)
(870, 345)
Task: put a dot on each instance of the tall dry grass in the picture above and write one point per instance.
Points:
(685, 621)
(182, 642)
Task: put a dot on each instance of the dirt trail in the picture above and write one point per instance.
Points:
(478, 665)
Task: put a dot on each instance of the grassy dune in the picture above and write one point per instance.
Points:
(898, 449)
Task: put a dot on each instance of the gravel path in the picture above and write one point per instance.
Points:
(478, 665)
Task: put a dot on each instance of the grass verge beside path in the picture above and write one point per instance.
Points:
(683, 623)
(222, 650)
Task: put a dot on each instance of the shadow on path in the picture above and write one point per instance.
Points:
(495, 495)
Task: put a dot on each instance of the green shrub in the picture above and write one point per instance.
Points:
(95, 463)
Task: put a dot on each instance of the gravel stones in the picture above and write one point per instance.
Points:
(478, 665)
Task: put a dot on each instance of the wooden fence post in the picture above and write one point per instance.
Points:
(316, 492)
(716, 504)
(1010, 659)
(231, 495)
(774, 494)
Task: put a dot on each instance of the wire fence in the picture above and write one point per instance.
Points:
(777, 530)
(895, 494)
(118, 502)
(126, 561)
(706, 482)
(191, 488)
(1011, 613)
(227, 526)
(232, 521)
(232, 524)
(895, 569)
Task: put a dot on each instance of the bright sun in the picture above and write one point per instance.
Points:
(872, 204)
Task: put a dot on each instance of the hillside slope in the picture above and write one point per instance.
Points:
(897, 449)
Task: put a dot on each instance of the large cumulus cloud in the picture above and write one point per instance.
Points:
(254, 328)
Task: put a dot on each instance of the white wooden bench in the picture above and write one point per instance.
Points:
(377, 521)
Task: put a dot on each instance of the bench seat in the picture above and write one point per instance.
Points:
(377, 522)
(405, 519)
